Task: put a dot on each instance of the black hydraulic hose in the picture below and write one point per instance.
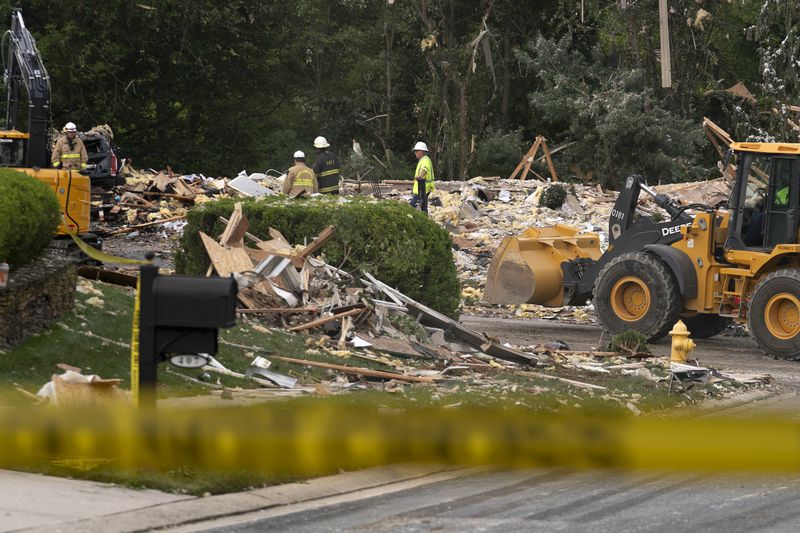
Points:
(66, 203)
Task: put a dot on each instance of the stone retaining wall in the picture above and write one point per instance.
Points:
(36, 295)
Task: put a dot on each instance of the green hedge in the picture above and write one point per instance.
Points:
(395, 243)
(29, 216)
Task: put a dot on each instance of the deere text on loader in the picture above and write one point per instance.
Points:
(709, 268)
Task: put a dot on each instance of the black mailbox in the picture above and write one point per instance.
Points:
(191, 302)
(179, 315)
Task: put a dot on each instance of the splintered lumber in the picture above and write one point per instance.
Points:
(321, 239)
(280, 310)
(325, 320)
(236, 228)
(226, 261)
(719, 132)
(182, 189)
(169, 195)
(549, 160)
(145, 225)
(572, 382)
(530, 157)
(355, 370)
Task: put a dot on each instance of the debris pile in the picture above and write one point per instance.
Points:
(396, 340)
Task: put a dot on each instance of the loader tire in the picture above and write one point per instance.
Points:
(705, 325)
(637, 291)
(774, 314)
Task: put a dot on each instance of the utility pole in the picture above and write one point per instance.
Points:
(666, 70)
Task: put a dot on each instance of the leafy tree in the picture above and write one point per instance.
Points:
(618, 128)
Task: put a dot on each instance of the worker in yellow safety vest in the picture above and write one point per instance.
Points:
(424, 172)
(300, 179)
(69, 151)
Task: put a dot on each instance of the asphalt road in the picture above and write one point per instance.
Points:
(551, 500)
(563, 500)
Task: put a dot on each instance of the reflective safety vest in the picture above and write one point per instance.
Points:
(782, 196)
(304, 178)
(70, 157)
(424, 163)
(300, 179)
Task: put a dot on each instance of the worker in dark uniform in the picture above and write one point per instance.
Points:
(326, 167)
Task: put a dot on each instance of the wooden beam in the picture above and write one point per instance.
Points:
(325, 320)
(354, 370)
(236, 228)
(663, 19)
(321, 239)
(549, 160)
(530, 159)
(129, 229)
(522, 161)
(280, 310)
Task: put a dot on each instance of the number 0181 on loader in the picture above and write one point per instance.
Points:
(709, 267)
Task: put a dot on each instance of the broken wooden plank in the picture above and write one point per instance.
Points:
(580, 384)
(280, 310)
(235, 229)
(529, 154)
(226, 261)
(549, 160)
(325, 320)
(169, 195)
(183, 190)
(321, 239)
(355, 370)
(145, 225)
(529, 162)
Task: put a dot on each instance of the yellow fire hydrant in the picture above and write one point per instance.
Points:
(682, 345)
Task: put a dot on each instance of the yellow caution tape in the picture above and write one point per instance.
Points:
(312, 437)
(135, 345)
(103, 257)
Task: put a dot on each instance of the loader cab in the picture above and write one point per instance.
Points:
(764, 200)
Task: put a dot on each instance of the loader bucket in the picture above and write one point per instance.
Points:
(527, 269)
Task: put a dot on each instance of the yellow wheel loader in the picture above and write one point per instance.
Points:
(709, 267)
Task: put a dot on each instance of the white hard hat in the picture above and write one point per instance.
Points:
(421, 146)
(321, 142)
(70, 126)
(299, 155)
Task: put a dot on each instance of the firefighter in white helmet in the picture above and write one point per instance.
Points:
(300, 179)
(69, 153)
(423, 172)
(326, 167)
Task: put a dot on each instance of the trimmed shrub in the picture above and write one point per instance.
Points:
(29, 216)
(397, 244)
(553, 196)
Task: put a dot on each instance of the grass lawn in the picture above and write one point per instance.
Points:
(96, 338)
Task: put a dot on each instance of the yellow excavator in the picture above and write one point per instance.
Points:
(708, 266)
(29, 151)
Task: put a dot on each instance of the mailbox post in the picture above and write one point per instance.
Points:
(179, 315)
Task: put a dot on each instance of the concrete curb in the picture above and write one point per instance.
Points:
(186, 512)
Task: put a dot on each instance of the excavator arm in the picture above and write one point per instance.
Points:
(24, 67)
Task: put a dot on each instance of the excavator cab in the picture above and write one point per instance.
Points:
(12, 148)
